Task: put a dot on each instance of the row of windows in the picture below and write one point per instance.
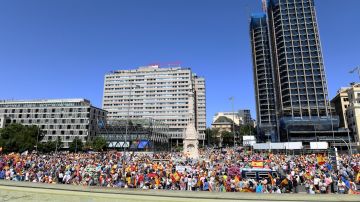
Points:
(43, 105)
(54, 121)
(142, 74)
(41, 110)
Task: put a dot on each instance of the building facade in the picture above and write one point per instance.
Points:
(297, 59)
(263, 77)
(347, 107)
(245, 115)
(64, 118)
(140, 135)
(301, 101)
(353, 111)
(233, 116)
(2, 121)
(226, 121)
(223, 121)
(170, 95)
(341, 104)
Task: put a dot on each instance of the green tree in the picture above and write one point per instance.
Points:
(99, 144)
(47, 147)
(19, 138)
(212, 136)
(246, 130)
(227, 138)
(58, 144)
(50, 146)
(88, 146)
(76, 145)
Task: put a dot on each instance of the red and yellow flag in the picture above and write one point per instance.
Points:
(320, 159)
(257, 164)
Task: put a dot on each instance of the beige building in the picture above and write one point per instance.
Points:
(170, 95)
(222, 126)
(353, 110)
(347, 106)
(224, 121)
(234, 116)
(341, 103)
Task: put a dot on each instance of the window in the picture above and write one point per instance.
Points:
(250, 175)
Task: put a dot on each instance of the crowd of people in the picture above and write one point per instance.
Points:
(217, 170)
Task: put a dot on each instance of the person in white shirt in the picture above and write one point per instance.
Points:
(341, 187)
(316, 182)
(189, 183)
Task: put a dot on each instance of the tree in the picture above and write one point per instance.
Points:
(99, 144)
(20, 138)
(50, 146)
(47, 147)
(246, 130)
(212, 136)
(58, 143)
(228, 138)
(76, 145)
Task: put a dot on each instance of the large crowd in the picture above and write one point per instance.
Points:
(215, 171)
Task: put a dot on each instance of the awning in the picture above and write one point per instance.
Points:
(143, 144)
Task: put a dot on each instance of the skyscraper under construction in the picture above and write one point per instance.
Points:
(290, 83)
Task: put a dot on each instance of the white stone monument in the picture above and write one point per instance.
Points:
(191, 135)
(191, 142)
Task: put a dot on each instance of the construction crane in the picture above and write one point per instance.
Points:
(264, 6)
(357, 70)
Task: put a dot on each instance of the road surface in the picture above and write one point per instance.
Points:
(33, 192)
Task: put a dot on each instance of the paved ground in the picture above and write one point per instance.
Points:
(21, 191)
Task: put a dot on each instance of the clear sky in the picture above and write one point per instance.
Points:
(63, 48)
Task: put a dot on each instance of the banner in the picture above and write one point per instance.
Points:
(181, 169)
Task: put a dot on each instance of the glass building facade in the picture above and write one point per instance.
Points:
(290, 35)
(263, 77)
(297, 59)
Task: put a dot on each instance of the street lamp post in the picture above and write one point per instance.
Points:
(128, 118)
(37, 139)
(348, 133)
(349, 142)
(233, 121)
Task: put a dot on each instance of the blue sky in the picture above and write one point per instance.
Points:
(63, 48)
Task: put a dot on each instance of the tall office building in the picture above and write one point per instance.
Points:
(171, 95)
(64, 118)
(297, 59)
(301, 97)
(263, 77)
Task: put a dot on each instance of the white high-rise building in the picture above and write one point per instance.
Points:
(163, 94)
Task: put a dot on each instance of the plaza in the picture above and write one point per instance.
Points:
(17, 192)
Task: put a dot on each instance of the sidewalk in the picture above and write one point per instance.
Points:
(182, 195)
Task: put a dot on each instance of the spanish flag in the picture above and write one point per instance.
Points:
(257, 164)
